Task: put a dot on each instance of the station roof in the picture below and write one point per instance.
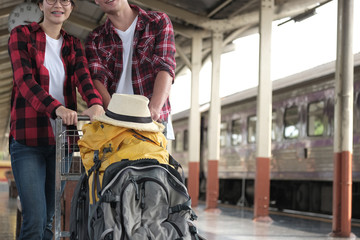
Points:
(234, 18)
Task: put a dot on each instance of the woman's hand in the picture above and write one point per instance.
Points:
(94, 110)
(68, 116)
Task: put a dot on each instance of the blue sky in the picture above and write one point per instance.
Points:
(295, 47)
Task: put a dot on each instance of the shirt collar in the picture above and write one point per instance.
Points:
(34, 27)
(143, 19)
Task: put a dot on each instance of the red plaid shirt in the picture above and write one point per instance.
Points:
(31, 103)
(154, 51)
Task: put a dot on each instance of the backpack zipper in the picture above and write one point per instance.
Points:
(132, 180)
(119, 174)
(142, 204)
(177, 229)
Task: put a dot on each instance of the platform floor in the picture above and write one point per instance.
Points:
(227, 223)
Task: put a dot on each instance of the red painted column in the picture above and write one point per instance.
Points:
(193, 182)
(264, 115)
(343, 121)
(212, 185)
(262, 190)
(342, 194)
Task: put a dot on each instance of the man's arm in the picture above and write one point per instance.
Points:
(97, 70)
(161, 92)
(103, 92)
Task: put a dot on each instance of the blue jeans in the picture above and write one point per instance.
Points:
(34, 173)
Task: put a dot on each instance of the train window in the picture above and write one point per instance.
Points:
(223, 134)
(315, 121)
(273, 126)
(236, 136)
(205, 137)
(186, 140)
(252, 129)
(179, 142)
(291, 120)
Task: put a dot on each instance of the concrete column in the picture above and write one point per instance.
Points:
(194, 122)
(343, 130)
(264, 116)
(212, 188)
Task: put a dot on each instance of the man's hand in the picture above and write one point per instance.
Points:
(161, 92)
(68, 116)
(94, 110)
(155, 111)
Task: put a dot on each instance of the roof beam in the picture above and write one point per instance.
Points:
(219, 8)
(183, 56)
(285, 10)
(6, 11)
(189, 31)
(173, 11)
(6, 89)
(4, 34)
(5, 63)
(5, 74)
(3, 50)
(5, 98)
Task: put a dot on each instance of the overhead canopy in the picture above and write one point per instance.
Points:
(233, 18)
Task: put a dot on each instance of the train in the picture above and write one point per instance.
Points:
(302, 134)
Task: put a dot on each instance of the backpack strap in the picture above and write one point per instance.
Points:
(184, 206)
(194, 232)
(177, 165)
(97, 163)
(95, 169)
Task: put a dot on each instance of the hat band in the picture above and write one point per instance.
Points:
(127, 118)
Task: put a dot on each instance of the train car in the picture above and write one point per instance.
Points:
(302, 142)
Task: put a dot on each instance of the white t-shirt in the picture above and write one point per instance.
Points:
(125, 84)
(127, 37)
(56, 69)
(169, 129)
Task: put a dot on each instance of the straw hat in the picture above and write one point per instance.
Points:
(130, 111)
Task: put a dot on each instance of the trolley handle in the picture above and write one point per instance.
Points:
(83, 118)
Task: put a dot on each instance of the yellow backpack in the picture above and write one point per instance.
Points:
(103, 144)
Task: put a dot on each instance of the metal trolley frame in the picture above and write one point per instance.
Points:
(68, 167)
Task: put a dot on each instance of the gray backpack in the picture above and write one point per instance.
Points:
(142, 200)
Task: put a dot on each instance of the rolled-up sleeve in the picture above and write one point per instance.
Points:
(164, 54)
(97, 70)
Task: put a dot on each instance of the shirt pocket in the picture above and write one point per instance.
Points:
(106, 53)
(145, 48)
(108, 56)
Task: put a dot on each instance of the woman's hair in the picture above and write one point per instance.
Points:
(42, 2)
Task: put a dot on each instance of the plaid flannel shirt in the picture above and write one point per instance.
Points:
(154, 51)
(31, 103)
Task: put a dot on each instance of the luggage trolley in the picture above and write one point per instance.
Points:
(68, 167)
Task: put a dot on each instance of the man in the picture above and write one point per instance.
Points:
(133, 52)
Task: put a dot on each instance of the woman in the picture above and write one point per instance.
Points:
(48, 65)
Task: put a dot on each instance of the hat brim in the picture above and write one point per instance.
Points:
(148, 127)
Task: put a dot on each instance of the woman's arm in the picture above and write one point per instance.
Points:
(24, 80)
(85, 85)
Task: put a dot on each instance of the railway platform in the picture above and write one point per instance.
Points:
(225, 223)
